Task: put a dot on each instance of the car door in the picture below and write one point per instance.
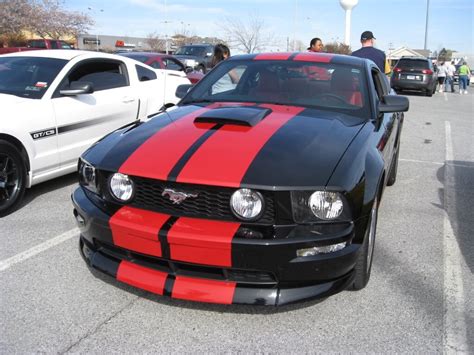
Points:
(388, 121)
(83, 119)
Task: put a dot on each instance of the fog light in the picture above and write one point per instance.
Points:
(321, 250)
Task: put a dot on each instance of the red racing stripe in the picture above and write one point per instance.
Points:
(225, 157)
(137, 230)
(158, 155)
(142, 277)
(201, 290)
(273, 56)
(314, 57)
(202, 241)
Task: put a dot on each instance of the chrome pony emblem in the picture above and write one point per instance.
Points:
(177, 196)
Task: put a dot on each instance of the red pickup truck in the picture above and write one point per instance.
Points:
(34, 44)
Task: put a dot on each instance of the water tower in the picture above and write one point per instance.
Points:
(348, 5)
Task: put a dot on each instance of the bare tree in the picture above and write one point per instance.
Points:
(46, 18)
(249, 36)
(337, 47)
(51, 20)
(155, 42)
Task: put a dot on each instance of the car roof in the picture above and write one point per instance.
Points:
(146, 54)
(66, 54)
(303, 56)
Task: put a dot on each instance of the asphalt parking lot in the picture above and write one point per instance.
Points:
(419, 299)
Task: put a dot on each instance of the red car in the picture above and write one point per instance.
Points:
(163, 61)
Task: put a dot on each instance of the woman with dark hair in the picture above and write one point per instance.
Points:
(230, 79)
(221, 52)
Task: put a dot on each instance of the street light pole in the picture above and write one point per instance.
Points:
(90, 8)
(426, 26)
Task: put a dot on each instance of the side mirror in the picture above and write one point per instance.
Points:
(394, 103)
(182, 90)
(78, 88)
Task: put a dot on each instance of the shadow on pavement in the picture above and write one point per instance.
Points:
(459, 206)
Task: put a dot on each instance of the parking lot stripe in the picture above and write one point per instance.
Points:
(455, 331)
(7, 263)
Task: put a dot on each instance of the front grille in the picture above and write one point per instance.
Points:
(211, 202)
(184, 269)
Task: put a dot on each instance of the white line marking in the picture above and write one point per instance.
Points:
(445, 96)
(7, 263)
(455, 334)
(436, 163)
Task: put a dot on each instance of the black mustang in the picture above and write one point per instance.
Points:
(261, 187)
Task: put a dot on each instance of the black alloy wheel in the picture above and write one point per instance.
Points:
(364, 260)
(12, 178)
(201, 69)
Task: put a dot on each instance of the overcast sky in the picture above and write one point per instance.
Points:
(395, 23)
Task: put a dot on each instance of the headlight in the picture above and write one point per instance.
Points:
(247, 204)
(325, 204)
(313, 206)
(87, 175)
(121, 187)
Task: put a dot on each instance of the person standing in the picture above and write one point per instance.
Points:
(450, 70)
(442, 72)
(464, 73)
(368, 51)
(316, 45)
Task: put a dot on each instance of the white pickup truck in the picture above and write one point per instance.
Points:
(55, 104)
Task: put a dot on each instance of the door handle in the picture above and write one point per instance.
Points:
(128, 99)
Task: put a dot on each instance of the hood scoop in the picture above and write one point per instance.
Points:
(242, 116)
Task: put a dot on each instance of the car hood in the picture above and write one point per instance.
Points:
(284, 147)
(184, 57)
(6, 100)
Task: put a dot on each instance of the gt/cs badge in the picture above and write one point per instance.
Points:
(177, 196)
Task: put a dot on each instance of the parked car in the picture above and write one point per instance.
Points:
(414, 73)
(164, 61)
(55, 104)
(196, 56)
(35, 44)
(262, 186)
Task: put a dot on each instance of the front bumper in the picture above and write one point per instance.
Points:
(199, 268)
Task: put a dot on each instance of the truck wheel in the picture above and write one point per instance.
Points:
(12, 178)
(364, 260)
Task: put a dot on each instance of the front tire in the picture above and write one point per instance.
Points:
(12, 178)
(364, 260)
(392, 177)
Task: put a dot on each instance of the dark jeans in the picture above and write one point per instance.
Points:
(462, 82)
(449, 83)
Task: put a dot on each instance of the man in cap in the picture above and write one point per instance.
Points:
(368, 51)
(316, 45)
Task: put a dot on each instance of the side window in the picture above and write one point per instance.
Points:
(380, 83)
(102, 74)
(145, 74)
(65, 45)
(54, 45)
(173, 64)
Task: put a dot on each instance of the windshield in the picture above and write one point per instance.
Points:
(413, 63)
(328, 86)
(191, 50)
(28, 76)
